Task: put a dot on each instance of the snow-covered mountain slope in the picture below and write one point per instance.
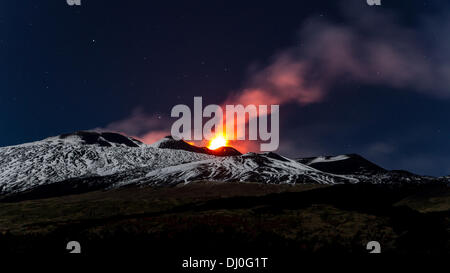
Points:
(104, 139)
(343, 164)
(110, 160)
(77, 155)
(250, 167)
(356, 166)
(85, 161)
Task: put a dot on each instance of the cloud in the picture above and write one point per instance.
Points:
(371, 48)
(153, 136)
(146, 127)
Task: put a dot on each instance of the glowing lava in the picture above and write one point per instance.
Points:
(217, 142)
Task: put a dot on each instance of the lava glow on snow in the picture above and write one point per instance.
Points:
(217, 142)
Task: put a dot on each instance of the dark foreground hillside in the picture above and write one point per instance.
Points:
(233, 219)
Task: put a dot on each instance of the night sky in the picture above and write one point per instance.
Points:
(122, 66)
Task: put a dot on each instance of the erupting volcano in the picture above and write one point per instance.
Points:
(217, 142)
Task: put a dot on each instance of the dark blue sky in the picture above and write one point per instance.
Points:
(68, 68)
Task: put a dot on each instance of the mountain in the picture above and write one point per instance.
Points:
(356, 166)
(104, 139)
(343, 164)
(169, 143)
(80, 155)
(250, 167)
(85, 161)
